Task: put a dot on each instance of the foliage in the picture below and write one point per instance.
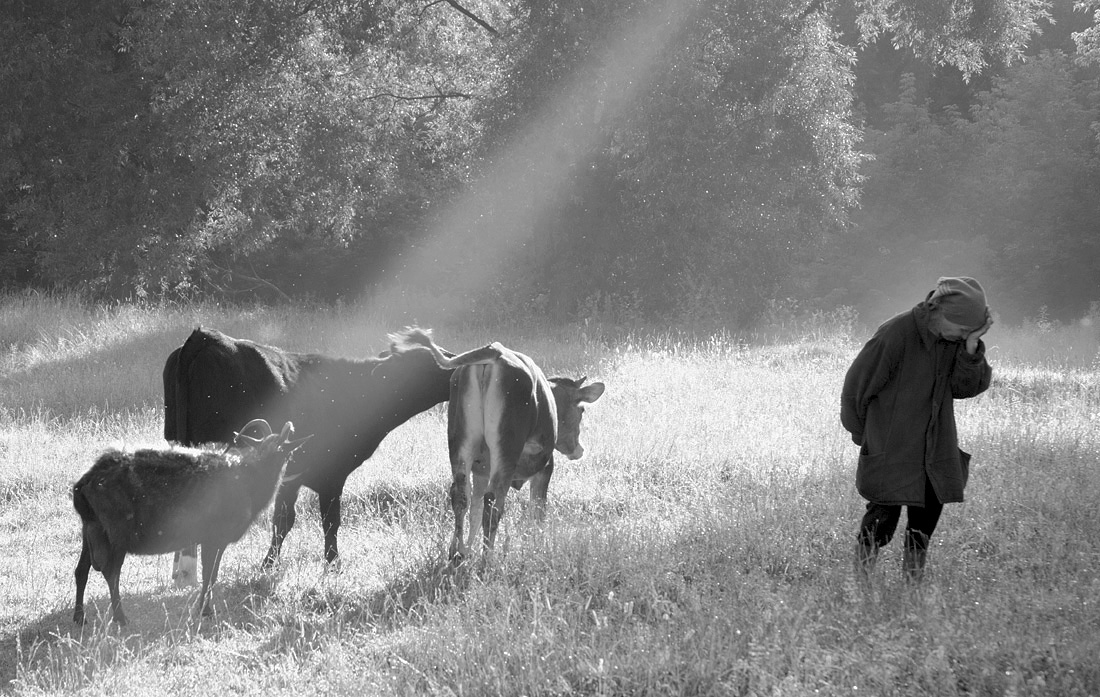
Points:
(1037, 164)
(168, 148)
(968, 35)
(184, 136)
(692, 195)
(1005, 193)
(1088, 39)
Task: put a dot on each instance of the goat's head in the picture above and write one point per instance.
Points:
(269, 443)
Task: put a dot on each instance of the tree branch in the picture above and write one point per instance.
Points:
(306, 9)
(454, 3)
(814, 6)
(414, 97)
(254, 279)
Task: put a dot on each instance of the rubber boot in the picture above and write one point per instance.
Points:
(915, 556)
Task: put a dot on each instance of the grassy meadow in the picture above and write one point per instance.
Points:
(701, 546)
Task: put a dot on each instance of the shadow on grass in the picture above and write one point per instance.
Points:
(68, 654)
(302, 624)
(54, 651)
(392, 503)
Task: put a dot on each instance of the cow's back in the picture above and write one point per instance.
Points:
(222, 383)
(506, 403)
(171, 400)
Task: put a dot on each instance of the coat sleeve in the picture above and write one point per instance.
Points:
(868, 374)
(971, 375)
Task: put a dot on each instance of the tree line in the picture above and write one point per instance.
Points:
(738, 152)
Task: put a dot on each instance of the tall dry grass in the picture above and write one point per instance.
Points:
(702, 546)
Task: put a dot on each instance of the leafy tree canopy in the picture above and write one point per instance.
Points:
(157, 147)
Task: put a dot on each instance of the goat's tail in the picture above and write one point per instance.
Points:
(96, 540)
(81, 504)
(485, 354)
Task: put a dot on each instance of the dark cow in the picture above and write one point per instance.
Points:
(505, 419)
(214, 383)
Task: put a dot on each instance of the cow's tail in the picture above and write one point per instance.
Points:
(485, 354)
(185, 358)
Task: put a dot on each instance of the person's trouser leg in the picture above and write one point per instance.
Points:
(921, 523)
(875, 530)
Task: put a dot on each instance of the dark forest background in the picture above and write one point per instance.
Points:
(765, 156)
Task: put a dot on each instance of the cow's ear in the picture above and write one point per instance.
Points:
(590, 393)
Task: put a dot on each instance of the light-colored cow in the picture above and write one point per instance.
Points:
(505, 419)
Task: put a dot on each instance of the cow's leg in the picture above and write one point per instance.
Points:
(505, 448)
(329, 501)
(460, 502)
(112, 571)
(185, 564)
(479, 485)
(282, 520)
(492, 513)
(540, 485)
(495, 496)
(81, 573)
(468, 476)
(465, 443)
(211, 560)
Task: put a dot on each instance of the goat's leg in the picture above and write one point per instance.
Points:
(81, 573)
(112, 571)
(329, 502)
(184, 564)
(282, 520)
(211, 560)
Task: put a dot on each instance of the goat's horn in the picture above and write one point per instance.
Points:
(277, 440)
(265, 427)
(295, 444)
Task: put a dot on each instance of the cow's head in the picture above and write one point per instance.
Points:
(570, 398)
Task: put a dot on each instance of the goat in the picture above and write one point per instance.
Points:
(157, 500)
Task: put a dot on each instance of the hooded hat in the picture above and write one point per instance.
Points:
(961, 300)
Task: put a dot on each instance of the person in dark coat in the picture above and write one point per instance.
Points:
(898, 404)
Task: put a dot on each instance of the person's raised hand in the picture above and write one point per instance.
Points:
(972, 337)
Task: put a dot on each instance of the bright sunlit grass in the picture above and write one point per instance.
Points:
(702, 545)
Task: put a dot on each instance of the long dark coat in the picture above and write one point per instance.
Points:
(898, 404)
